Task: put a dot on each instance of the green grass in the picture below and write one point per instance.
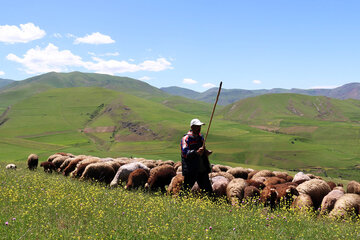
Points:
(36, 205)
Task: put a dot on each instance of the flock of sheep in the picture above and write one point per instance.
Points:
(270, 188)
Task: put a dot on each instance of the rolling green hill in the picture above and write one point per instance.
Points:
(20, 90)
(5, 82)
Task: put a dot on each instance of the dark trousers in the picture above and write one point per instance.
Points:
(201, 178)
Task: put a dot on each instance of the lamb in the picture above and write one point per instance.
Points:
(316, 188)
(160, 176)
(72, 165)
(137, 178)
(278, 194)
(11, 166)
(176, 184)
(238, 172)
(329, 200)
(124, 171)
(219, 184)
(348, 204)
(48, 166)
(235, 190)
(303, 202)
(300, 177)
(353, 187)
(32, 161)
(100, 171)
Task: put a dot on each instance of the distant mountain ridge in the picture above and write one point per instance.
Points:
(228, 96)
(5, 82)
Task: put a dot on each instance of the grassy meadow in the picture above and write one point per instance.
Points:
(109, 123)
(37, 205)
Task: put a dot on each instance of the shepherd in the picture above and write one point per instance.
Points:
(195, 157)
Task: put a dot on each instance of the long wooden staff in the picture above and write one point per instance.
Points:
(212, 114)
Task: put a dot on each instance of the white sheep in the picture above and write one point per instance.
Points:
(316, 188)
(235, 190)
(124, 171)
(10, 166)
(300, 177)
(330, 199)
(346, 205)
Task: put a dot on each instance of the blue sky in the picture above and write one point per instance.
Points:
(192, 44)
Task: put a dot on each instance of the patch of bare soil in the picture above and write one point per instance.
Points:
(266, 128)
(138, 132)
(298, 129)
(100, 129)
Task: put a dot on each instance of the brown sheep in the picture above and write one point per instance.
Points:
(100, 171)
(52, 157)
(252, 173)
(235, 190)
(251, 193)
(59, 160)
(238, 172)
(257, 184)
(273, 181)
(176, 184)
(48, 166)
(353, 187)
(283, 175)
(80, 168)
(149, 163)
(32, 161)
(137, 178)
(160, 177)
(72, 165)
(316, 188)
(64, 165)
(169, 162)
(302, 202)
(177, 165)
(329, 200)
(347, 205)
(331, 184)
(278, 194)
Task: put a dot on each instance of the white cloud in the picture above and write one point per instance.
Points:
(112, 54)
(208, 85)
(324, 87)
(37, 60)
(2, 73)
(57, 35)
(189, 81)
(132, 60)
(94, 38)
(256, 81)
(145, 78)
(26, 33)
(69, 35)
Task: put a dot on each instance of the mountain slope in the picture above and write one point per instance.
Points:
(178, 91)
(5, 82)
(228, 96)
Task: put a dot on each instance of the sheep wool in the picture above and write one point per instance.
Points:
(238, 172)
(100, 171)
(263, 173)
(348, 204)
(302, 202)
(300, 177)
(124, 171)
(235, 190)
(160, 176)
(137, 178)
(176, 184)
(316, 188)
(353, 187)
(10, 166)
(48, 166)
(251, 192)
(219, 184)
(32, 161)
(224, 174)
(329, 200)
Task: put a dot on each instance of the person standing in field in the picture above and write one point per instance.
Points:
(194, 159)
